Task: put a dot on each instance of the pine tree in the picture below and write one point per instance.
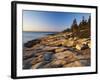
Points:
(89, 21)
(75, 28)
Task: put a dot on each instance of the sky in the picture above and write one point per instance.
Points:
(50, 21)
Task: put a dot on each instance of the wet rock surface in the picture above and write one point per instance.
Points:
(55, 51)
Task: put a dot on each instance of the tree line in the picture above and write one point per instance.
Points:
(77, 30)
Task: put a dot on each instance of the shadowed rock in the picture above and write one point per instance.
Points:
(31, 43)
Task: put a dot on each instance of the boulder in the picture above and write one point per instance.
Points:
(83, 41)
(75, 38)
(89, 45)
(68, 43)
(81, 46)
(85, 46)
(70, 38)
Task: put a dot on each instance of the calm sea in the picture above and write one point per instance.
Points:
(27, 36)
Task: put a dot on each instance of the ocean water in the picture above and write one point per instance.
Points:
(27, 36)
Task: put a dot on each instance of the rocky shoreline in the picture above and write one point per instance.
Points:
(55, 51)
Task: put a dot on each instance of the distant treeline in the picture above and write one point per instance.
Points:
(82, 30)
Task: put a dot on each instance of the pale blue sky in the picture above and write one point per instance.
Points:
(50, 21)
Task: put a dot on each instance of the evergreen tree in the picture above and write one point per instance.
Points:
(89, 21)
(75, 28)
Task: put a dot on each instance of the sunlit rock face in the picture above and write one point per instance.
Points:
(60, 50)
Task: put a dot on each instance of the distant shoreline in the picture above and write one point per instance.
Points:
(43, 31)
(28, 36)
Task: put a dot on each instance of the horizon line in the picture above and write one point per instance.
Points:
(41, 31)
